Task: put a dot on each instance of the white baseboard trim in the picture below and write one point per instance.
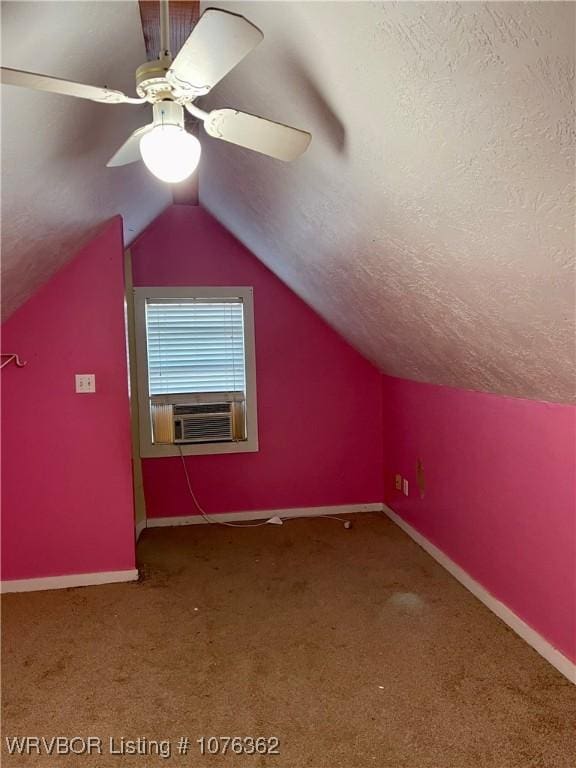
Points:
(264, 514)
(140, 526)
(564, 665)
(63, 582)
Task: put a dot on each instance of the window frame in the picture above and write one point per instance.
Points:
(147, 448)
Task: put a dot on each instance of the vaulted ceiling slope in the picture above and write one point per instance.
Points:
(431, 221)
(55, 187)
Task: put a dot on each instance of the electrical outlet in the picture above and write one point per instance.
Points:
(85, 382)
(405, 487)
(398, 482)
(420, 478)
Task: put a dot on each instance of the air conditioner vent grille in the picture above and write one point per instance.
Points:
(200, 408)
(205, 429)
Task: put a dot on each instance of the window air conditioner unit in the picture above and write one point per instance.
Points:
(211, 418)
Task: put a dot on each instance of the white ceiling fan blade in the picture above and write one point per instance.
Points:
(257, 133)
(129, 152)
(65, 87)
(218, 42)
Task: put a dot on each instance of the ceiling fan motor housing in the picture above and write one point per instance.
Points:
(151, 82)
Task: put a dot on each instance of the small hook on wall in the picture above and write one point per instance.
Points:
(19, 363)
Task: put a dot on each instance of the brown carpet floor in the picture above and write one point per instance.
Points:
(352, 647)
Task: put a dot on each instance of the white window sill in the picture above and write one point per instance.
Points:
(198, 449)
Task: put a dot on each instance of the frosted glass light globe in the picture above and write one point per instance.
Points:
(170, 153)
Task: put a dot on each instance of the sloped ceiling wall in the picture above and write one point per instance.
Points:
(432, 220)
(55, 187)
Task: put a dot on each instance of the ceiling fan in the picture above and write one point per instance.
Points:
(218, 42)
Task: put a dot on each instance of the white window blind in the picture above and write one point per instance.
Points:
(195, 345)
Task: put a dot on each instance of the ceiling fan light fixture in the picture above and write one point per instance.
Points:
(170, 153)
(219, 42)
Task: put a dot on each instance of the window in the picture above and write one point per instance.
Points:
(196, 370)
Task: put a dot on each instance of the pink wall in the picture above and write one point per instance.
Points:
(319, 401)
(500, 493)
(66, 458)
(500, 472)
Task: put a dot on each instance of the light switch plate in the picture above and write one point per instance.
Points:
(85, 382)
(405, 487)
(398, 482)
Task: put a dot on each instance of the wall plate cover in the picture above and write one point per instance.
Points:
(85, 383)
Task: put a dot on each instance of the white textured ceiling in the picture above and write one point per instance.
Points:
(431, 221)
(55, 187)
